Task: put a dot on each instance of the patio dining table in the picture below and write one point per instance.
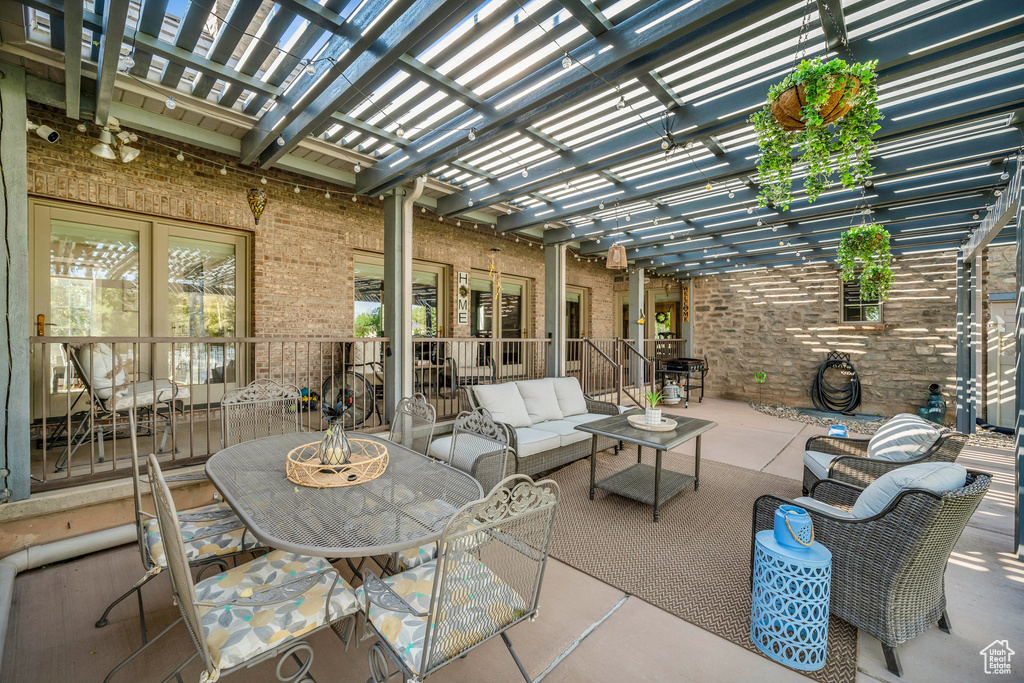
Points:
(407, 506)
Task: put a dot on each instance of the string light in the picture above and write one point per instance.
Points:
(472, 134)
(566, 61)
(759, 222)
(280, 140)
(263, 179)
(975, 216)
(297, 190)
(750, 209)
(358, 167)
(526, 173)
(423, 209)
(458, 224)
(400, 132)
(224, 169)
(665, 144)
(310, 69)
(170, 104)
(180, 156)
(471, 202)
(732, 194)
(355, 198)
(627, 217)
(508, 212)
(601, 206)
(1004, 176)
(621, 104)
(708, 187)
(327, 194)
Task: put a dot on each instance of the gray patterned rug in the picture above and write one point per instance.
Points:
(695, 562)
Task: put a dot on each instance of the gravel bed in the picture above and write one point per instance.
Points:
(982, 438)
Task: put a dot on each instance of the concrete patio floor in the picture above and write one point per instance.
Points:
(586, 630)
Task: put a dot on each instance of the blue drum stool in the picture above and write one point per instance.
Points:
(791, 587)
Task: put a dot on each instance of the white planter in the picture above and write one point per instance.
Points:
(652, 416)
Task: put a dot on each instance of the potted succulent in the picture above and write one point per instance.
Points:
(826, 109)
(652, 415)
(867, 247)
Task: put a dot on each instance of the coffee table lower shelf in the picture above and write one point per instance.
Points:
(637, 483)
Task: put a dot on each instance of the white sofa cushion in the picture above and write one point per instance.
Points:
(584, 418)
(540, 399)
(818, 463)
(98, 366)
(903, 437)
(532, 441)
(931, 476)
(812, 504)
(571, 400)
(504, 403)
(565, 429)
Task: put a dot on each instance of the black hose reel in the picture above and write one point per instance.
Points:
(836, 386)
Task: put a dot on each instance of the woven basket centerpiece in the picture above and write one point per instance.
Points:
(305, 468)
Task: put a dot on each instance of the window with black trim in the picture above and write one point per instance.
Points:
(855, 310)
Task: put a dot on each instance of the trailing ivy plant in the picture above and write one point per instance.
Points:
(848, 138)
(866, 248)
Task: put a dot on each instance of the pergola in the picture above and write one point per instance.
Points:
(582, 124)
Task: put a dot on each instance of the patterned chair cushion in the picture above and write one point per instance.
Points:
(903, 437)
(463, 626)
(208, 532)
(237, 633)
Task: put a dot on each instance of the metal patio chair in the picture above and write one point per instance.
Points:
(887, 570)
(853, 466)
(214, 533)
(478, 446)
(413, 423)
(262, 408)
(256, 611)
(110, 393)
(487, 580)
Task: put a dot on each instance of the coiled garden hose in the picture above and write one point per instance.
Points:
(828, 397)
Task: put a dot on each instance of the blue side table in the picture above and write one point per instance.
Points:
(789, 614)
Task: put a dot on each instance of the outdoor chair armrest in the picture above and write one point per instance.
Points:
(836, 493)
(381, 594)
(834, 445)
(601, 407)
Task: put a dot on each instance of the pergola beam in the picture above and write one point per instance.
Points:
(618, 54)
(1004, 210)
(73, 58)
(587, 14)
(114, 19)
(231, 34)
(957, 40)
(833, 23)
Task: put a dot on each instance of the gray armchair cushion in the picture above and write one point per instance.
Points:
(504, 403)
(930, 476)
(903, 437)
(818, 463)
(540, 399)
(816, 505)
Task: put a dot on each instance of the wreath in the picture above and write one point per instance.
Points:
(661, 317)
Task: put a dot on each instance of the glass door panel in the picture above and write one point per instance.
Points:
(369, 299)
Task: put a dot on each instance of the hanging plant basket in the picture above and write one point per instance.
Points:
(826, 111)
(865, 248)
(788, 107)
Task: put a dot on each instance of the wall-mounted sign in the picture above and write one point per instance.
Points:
(462, 304)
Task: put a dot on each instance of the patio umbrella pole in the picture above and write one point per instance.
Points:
(48, 553)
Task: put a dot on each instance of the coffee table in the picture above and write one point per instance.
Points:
(641, 482)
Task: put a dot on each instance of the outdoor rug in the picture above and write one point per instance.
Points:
(695, 562)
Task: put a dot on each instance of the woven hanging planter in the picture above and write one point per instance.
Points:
(257, 202)
(787, 107)
(616, 257)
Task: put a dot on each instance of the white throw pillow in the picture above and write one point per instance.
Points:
(540, 399)
(98, 368)
(504, 402)
(571, 400)
(931, 476)
(903, 437)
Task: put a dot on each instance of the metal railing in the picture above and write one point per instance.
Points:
(664, 349)
(83, 388)
(591, 361)
(442, 365)
(639, 373)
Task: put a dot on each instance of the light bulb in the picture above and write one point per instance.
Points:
(224, 169)
(476, 227)
(440, 219)
(627, 218)
(566, 61)
(621, 104)
(358, 167)
(471, 202)
(423, 209)
(263, 179)
(280, 140)
(170, 104)
(355, 198)
(381, 197)
(81, 128)
(508, 212)
(129, 62)
(297, 190)
(775, 228)
(526, 173)
(517, 239)
(728, 260)
(546, 226)
(781, 243)
(601, 206)
(572, 234)
(975, 216)
(310, 69)
(327, 194)
(750, 209)
(708, 186)
(472, 134)
(400, 132)
(180, 157)
(760, 222)
(705, 250)
(731, 194)
(998, 192)
(664, 144)
(1004, 176)
(689, 239)
(458, 224)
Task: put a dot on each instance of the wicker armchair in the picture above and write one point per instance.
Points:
(888, 570)
(854, 467)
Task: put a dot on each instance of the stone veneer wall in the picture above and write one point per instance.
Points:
(785, 322)
(302, 249)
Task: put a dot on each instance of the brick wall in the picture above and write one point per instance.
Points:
(785, 321)
(302, 249)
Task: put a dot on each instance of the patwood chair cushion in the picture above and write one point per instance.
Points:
(903, 437)
(487, 605)
(299, 587)
(937, 477)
